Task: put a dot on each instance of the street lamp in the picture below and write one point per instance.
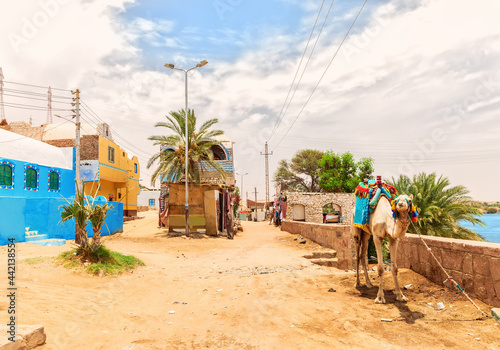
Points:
(171, 66)
(242, 183)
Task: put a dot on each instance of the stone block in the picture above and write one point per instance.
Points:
(480, 289)
(472, 247)
(452, 259)
(467, 283)
(495, 269)
(467, 264)
(481, 265)
(29, 337)
(492, 249)
(496, 286)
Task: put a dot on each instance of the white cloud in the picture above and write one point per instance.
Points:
(406, 73)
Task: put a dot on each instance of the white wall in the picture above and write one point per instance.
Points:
(144, 196)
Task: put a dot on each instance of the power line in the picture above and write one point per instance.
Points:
(321, 78)
(134, 147)
(37, 86)
(296, 72)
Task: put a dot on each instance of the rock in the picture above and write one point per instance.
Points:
(302, 242)
(331, 290)
(495, 313)
(29, 337)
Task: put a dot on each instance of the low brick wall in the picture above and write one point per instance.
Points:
(337, 237)
(474, 265)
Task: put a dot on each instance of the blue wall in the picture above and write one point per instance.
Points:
(39, 209)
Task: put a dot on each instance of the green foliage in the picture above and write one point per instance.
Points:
(82, 210)
(76, 209)
(36, 260)
(171, 157)
(440, 206)
(236, 202)
(492, 210)
(112, 263)
(341, 172)
(301, 174)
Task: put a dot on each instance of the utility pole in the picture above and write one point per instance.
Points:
(267, 154)
(255, 191)
(49, 106)
(241, 189)
(77, 138)
(2, 109)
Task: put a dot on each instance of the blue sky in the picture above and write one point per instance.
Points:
(415, 85)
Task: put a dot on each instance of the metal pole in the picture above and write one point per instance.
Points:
(267, 154)
(255, 204)
(77, 140)
(186, 115)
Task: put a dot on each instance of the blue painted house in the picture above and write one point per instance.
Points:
(35, 179)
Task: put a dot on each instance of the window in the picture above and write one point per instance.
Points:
(54, 181)
(5, 175)
(31, 181)
(111, 154)
(135, 167)
(152, 201)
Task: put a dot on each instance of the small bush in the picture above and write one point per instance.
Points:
(112, 263)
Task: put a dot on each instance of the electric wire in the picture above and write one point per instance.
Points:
(321, 78)
(37, 86)
(278, 121)
(134, 147)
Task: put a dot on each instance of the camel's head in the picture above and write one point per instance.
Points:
(403, 204)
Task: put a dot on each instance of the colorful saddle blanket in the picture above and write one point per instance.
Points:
(367, 196)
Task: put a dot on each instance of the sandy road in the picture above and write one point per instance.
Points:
(254, 292)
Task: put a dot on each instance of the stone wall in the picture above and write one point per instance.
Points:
(23, 128)
(314, 202)
(474, 265)
(337, 237)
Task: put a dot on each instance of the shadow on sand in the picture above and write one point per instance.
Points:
(405, 313)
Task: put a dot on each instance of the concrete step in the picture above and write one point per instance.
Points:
(332, 262)
(49, 242)
(36, 238)
(326, 254)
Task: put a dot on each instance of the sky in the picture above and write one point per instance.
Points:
(415, 85)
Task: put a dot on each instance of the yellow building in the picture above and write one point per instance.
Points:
(117, 175)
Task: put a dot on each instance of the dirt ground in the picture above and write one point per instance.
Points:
(254, 292)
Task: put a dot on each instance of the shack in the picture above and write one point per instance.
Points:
(209, 206)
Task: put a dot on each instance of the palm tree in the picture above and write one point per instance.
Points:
(171, 157)
(440, 206)
(76, 209)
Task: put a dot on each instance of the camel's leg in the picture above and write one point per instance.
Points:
(364, 256)
(357, 234)
(378, 245)
(393, 244)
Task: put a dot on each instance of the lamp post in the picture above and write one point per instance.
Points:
(241, 191)
(186, 121)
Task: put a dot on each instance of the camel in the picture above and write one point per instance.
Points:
(382, 224)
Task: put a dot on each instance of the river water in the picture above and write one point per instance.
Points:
(491, 232)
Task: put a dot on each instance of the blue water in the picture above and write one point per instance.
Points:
(491, 232)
